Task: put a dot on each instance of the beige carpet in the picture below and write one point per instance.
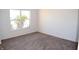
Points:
(38, 41)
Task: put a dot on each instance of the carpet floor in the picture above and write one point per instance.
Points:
(38, 41)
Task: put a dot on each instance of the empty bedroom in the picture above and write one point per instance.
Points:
(39, 29)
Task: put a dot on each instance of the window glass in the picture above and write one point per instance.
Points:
(19, 19)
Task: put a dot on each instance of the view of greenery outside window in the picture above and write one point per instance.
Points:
(19, 19)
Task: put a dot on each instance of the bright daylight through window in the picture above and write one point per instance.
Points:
(19, 19)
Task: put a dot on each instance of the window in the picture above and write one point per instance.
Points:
(19, 19)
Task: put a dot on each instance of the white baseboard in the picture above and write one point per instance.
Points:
(57, 36)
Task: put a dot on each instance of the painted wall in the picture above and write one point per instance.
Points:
(0, 28)
(60, 23)
(7, 32)
(78, 30)
(78, 27)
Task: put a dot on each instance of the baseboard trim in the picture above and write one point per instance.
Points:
(19, 35)
(57, 37)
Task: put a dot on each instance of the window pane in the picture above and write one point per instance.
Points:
(14, 14)
(27, 14)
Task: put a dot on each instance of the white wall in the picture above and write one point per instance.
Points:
(60, 23)
(78, 27)
(0, 29)
(78, 30)
(6, 31)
